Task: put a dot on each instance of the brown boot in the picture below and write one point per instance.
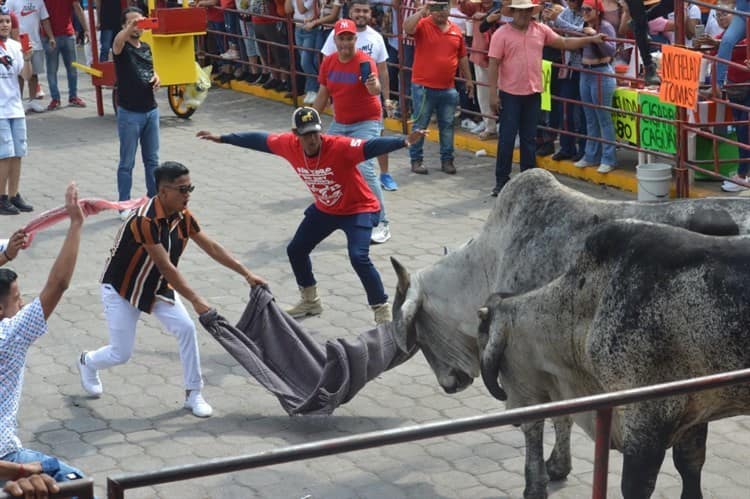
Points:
(308, 305)
(418, 167)
(448, 167)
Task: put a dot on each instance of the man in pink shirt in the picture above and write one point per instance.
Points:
(515, 66)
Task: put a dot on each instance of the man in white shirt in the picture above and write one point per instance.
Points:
(32, 16)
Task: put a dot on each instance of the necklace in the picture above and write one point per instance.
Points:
(317, 162)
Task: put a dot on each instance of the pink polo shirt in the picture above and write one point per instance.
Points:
(519, 57)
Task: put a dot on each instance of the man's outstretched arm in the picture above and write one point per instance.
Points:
(257, 141)
(384, 145)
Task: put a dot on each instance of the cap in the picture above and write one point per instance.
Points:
(344, 26)
(594, 4)
(306, 120)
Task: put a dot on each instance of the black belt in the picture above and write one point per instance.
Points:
(594, 66)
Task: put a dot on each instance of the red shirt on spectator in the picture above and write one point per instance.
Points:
(332, 177)
(61, 16)
(739, 54)
(436, 54)
(351, 100)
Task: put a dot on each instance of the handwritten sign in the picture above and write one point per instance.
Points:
(657, 135)
(626, 126)
(547, 83)
(680, 75)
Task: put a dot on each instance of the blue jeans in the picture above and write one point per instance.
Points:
(573, 115)
(219, 36)
(443, 102)
(519, 116)
(105, 44)
(733, 34)
(132, 128)
(65, 46)
(365, 130)
(308, 58)
(599, 121)
(63, 474)
(315, 227)
(743, 134)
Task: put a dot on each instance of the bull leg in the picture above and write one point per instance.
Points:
(559, 462)
(639, 471)
(534, 471)
(689, 455)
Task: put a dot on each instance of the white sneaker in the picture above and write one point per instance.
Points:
(728, 186)
(479, 128)
(381, 233)
(196, 403)
(467, 124)
(124, 215)
(582, 163)
(605, 168)
(89, 377)
(310, 97)
(230, 54)
(36, 106)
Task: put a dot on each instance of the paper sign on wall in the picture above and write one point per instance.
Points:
(626, 126)
(680, 76)
(547, 84)
(657, 135)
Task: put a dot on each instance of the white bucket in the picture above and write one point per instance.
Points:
(654, 180)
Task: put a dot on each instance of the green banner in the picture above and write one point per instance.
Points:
(656, 135)
(626, 126)
(547, 83)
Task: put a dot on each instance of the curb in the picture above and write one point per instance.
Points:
(621, 179)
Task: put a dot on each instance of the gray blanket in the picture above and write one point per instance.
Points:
(306, 377)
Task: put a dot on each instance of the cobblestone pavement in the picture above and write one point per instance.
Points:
(252, 203)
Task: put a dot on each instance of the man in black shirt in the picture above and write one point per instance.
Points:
(137, 113)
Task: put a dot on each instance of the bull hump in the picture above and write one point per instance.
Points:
(713, 222)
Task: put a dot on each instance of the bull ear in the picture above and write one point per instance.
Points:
(404, 279)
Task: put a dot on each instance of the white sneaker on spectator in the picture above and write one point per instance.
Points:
(381, 233)
(582, 163)
(231, 54)
(196, 403)
(89, 377)
(36, 106)
(728, 186)
(605, 168)
(310, 97)
(124, 214)
(467, 124)
(479, 128)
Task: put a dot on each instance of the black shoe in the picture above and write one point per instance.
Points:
(19, 203)
(418, 167)
(652, 79)
(578, 156)
(496, 190)
(253, 78)
(561, 155)
(271, 83)
(283, 86)
(448, 167)
(6, 207)
(545, 149)
(224, 78)
(262, 79)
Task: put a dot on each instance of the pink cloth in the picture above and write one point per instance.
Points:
(519, 57)
(89, 207)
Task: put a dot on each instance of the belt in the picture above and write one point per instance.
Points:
(594, 66)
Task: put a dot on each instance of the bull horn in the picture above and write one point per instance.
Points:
(404, 279)
(483, 313)
(490, 366)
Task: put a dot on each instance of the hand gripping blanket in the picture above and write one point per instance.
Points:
(306, 377)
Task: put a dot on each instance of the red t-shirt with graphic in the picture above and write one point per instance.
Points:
(332, 176)
(352, 102)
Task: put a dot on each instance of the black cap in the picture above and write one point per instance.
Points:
(306, 120)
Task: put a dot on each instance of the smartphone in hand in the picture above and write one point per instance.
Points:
(25, 42)
(364, 70)
(699, 30)
(148, 23)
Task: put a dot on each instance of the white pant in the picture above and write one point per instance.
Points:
(122, 318)
(483, 96)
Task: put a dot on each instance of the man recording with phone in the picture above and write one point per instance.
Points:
(350, 77)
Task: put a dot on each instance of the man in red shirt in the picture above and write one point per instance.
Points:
(342, 200)
(439, 49)
(357, 112)
(64, 44)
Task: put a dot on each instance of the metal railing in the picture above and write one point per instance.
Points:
(82, 488)
(603, 404)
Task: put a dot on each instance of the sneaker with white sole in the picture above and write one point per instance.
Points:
(230, 54)
(467, 124)
(89, 377)
(310, 97)
(36, 106)
(124, 215)
(198, 405)
(728, 186)
(387, 182)
(478, 128)
(605, 168)
(582, 163)
(381, 233)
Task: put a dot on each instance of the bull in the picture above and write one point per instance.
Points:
(641, 304)
(532, 235)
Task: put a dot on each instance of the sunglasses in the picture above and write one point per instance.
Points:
(587, 9)
(184, 189)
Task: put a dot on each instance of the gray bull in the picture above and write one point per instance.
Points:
(532, 235)
(642, 304)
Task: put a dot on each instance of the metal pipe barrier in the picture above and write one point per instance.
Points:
(602, 403)
(83, 488)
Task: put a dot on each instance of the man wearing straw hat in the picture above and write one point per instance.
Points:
(515, 61)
